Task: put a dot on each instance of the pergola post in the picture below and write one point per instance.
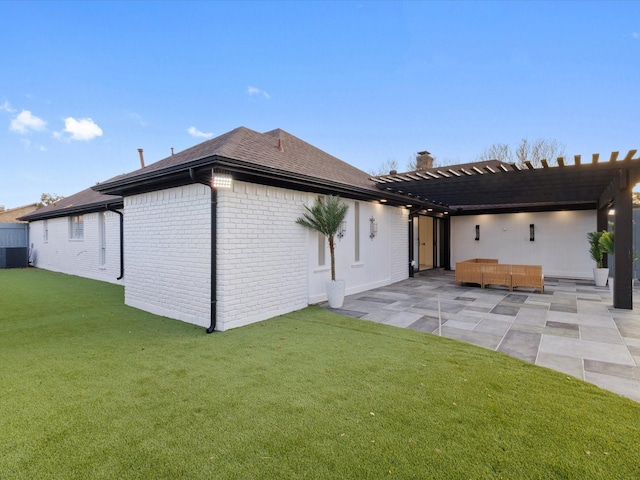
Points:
(623, 243)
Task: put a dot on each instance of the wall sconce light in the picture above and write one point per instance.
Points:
(342, 229)
(532, 232)
(373, 228)
(477, 232)
(221, 180)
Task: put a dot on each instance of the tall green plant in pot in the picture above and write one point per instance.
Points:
(607, 246)
(597, 251)
(325, 216)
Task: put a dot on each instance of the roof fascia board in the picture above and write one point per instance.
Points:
(250, 172)
(74, 210)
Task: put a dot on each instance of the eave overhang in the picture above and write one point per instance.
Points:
(81, 209)
(202, 169)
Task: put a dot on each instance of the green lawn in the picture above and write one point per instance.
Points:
(92, 389)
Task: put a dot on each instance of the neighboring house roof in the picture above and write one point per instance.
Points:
(495, 187)
(86, 201)
(272, 158)
(13, 214)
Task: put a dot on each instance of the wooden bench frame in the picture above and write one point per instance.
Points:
(487, 271)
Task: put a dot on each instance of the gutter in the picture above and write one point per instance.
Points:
(111, 209)
(213, 268)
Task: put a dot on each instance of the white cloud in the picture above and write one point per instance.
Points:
(84, 129)
(194, 132)
(26, 122)
(6, 107)
(256, 91)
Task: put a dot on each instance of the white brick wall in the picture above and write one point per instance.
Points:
(399, 250)
(383, 259)
(167, 253)
(262, 254)
(77, 257)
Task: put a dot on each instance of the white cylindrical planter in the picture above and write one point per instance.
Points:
(335, 293)
(600, 276)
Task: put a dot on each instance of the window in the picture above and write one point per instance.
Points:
(321, 250)
(76, 227)
(45, 231)
(321, 245)
(356, 229)
(102, 240)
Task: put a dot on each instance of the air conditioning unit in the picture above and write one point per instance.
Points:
(14, 257)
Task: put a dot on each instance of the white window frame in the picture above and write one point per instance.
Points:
(356, 230)
(76, 228)
(102, 240)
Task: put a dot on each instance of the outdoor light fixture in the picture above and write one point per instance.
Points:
(373, 228)
(221, 180)
(532, 232)
(342, 229)
(477, 232)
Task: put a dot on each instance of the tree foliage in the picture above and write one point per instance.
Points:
(384, 168)
(48, 199)
(526, 151)
(411, 166)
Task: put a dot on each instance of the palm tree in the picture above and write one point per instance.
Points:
(325, 217)
(595, 248)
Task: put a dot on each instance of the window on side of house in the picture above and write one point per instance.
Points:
(321, 250)
(76, 227)
(321, 246)
(45, 231)
(356, 229)
(102, 239)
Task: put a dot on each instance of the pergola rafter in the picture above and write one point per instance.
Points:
(496, 187)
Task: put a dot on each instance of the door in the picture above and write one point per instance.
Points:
(426, 240)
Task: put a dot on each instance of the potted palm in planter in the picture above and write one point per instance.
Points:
(325, 217)
(596, 251)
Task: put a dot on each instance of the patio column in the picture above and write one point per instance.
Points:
(446, 242)
(623, 243)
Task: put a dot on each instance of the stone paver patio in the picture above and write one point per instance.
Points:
(572, 327)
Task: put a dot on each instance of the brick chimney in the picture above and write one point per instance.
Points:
(424, 160)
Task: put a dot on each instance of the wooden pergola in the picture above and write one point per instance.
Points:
(497, 187)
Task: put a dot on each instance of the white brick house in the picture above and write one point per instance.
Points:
(79, 235)
(227, 258)
(223, 258)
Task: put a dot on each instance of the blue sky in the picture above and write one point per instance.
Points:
(83, 85)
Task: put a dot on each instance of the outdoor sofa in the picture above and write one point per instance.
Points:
(487, 271)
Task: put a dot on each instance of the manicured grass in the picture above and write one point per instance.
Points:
(94, 389)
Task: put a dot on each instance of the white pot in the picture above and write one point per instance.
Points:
(335, 293)
(600, 276)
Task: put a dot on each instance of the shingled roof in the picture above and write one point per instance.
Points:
(273, 158)
(86, 201)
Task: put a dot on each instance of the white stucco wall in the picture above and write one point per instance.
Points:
(560, 245)
(59, 253)
(168, 253)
